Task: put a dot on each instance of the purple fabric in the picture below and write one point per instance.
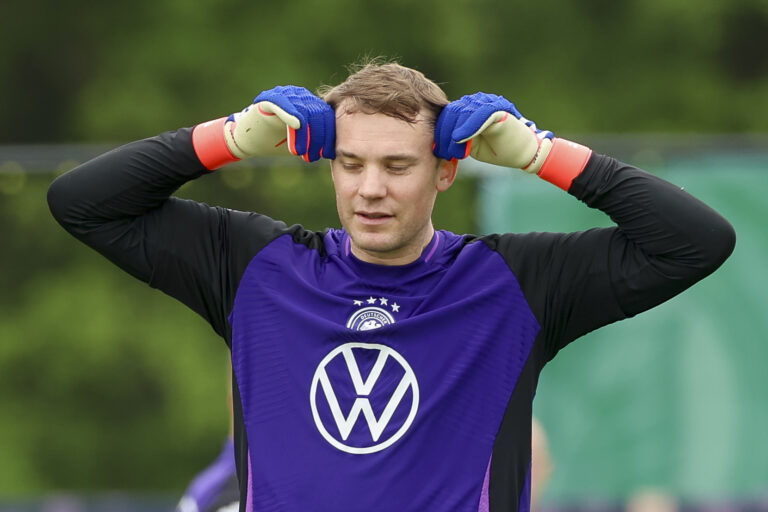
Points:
(484, 497)
(363, 384)
(525, 498)
(435, 243)
(249, 490)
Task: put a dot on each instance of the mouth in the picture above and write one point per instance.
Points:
(372, 218)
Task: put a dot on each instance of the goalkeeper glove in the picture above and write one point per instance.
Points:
(280, 120)
(491, 129)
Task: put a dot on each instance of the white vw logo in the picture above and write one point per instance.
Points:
(362, 405)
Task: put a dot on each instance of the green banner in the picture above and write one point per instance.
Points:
(676, 397)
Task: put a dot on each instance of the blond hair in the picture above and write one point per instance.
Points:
(379, 87)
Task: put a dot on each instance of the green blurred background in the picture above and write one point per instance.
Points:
(106, 385)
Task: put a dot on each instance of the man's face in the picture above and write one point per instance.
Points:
(386, 180)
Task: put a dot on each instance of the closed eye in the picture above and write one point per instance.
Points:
(399, 164)
(350, 166)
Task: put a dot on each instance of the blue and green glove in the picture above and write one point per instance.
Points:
(283, 120)
(491, 129)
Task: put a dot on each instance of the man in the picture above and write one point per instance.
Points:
(388, 366)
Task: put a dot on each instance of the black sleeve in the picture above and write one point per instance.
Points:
(120, 204)
(665, 241)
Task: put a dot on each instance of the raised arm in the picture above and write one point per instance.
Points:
(120, 203)
(665, 240)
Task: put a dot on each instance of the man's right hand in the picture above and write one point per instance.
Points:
(286, 118)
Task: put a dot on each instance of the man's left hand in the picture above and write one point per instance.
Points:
(491, 129)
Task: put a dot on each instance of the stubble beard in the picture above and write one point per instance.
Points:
(389, 245)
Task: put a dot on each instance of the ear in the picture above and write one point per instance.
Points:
(446, 173)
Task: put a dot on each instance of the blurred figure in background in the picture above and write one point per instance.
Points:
(216, 488)
(650, 499)
(542, 466)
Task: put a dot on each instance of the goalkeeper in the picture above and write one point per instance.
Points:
(386, 365)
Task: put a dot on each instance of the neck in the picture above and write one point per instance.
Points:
(403, 256)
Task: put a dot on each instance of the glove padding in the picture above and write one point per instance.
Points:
(284, 114)
(492, 130)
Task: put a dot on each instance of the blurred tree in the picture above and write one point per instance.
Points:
(86, 392)
(118, 71)
(743, 58)
(48, 55)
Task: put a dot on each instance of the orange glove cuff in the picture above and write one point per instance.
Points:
(210, 146)
(564, 163)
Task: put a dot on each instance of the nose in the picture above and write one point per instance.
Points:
(372, 183)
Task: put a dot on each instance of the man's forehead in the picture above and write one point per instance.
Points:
(350, 107)
(376, 136)
(358, 124)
